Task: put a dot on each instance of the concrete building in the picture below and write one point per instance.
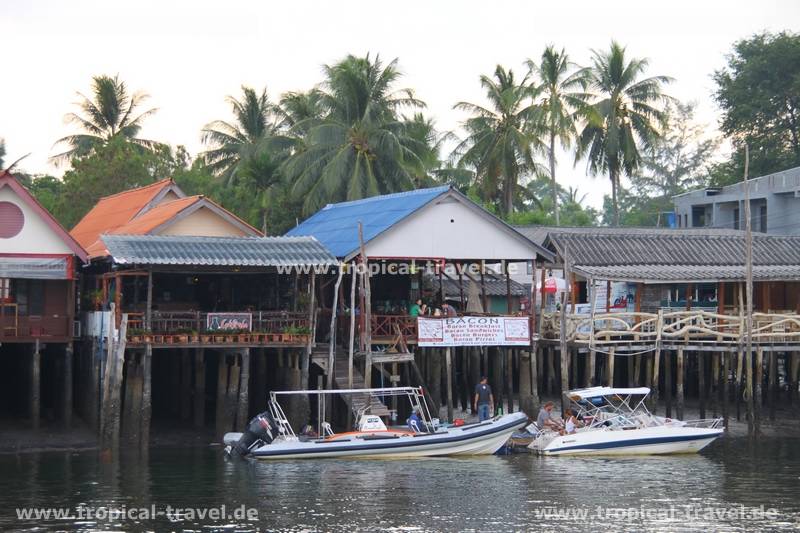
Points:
(774, 205)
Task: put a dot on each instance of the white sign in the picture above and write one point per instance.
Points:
(474, 331)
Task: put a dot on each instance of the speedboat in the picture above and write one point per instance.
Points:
(270, 436)
(616, 421)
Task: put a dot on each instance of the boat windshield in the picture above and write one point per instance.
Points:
(367, 406)
(614, 408)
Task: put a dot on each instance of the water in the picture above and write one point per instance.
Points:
(706, 492)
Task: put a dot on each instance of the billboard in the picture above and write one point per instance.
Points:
(474, 331)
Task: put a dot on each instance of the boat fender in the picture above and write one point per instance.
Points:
(260, 428)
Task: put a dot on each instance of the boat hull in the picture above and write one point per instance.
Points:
(478, 439)
(660, 440)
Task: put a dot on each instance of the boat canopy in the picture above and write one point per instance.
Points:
(595, 392)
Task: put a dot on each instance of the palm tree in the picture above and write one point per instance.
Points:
(237, 146)
(361, 147)
(500, 144)
(428, 144)
(562, 95)
(110, 112)
(623, 117)
(300, 111)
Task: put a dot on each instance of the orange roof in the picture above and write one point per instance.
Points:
(114, 211)
(150, 220)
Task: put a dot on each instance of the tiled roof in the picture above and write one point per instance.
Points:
(114, 211)
(216, 251)
(156, 216)
(678, 255)
(336, 225)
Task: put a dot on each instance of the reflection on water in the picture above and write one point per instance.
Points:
(483, 494)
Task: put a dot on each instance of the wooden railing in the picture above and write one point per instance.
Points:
(673, 327)
(169, 322)
(384, 326)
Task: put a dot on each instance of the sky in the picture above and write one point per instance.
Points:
(189, 55)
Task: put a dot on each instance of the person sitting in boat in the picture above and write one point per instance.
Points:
(415, 422)
(571, 423)
(309, 431)
(545, 420)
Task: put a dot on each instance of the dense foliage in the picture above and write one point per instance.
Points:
(359, 133)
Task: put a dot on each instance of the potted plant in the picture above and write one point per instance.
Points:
(206, 338)
(193, 336)
(147, 337)
(134, 335)
(182, 336)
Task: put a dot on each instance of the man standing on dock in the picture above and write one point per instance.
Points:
(484, 400)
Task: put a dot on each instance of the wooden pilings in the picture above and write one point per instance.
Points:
(35, 406)
(199, 395)
(679, 377)
(66, 380)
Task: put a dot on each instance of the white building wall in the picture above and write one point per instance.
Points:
(36, 236)
(447, 228)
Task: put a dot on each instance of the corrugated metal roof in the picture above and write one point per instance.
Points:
(539, 234)
(678, 256)
(336, 225)
(217, 251)
(495, 286)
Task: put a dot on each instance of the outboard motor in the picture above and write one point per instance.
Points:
(261, 428)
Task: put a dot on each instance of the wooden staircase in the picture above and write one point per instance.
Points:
(356, 402)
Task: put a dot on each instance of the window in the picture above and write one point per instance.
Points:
(736, 221)
(29, 295)
(5, 288)
(685, 221)
(762, 215)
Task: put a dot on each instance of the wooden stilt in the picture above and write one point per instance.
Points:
(657, 361)
(200, 388)
(66, 400)
(541, 355)
(637, 370)
(232, 394)
(147, 393)
(794, 391)
(509, 371)
(726, 380)
(186, 385)
(667, 384)
(35, 385)
(757, 391)
(449, 369)
(551, 369)
(773, 382)
(130, 420)
(242, 411)
(630, 364)
(497, 376)
(222, 390)
(679, 377)
(701, 383)
(435, 379)
(573, 368)
(648, 373)
(715, 400)
(526, 380)
(590, 367)
(610, 367)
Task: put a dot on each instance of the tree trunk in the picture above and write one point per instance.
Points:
(553, 184)
(614, 180)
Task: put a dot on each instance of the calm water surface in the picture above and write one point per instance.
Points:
(725, 488)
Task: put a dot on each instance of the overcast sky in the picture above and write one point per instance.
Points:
(189, 55)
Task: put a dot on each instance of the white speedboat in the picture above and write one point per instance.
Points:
(270, 436)
(617, 422)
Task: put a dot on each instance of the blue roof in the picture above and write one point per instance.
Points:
(336, 225)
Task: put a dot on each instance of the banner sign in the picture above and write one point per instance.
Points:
(229, 321)
(35, 267)
(474, 331)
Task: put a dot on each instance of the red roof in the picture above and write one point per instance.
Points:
(7, 180)
(112, 212)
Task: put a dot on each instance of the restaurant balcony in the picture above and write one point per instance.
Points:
(219, 330)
